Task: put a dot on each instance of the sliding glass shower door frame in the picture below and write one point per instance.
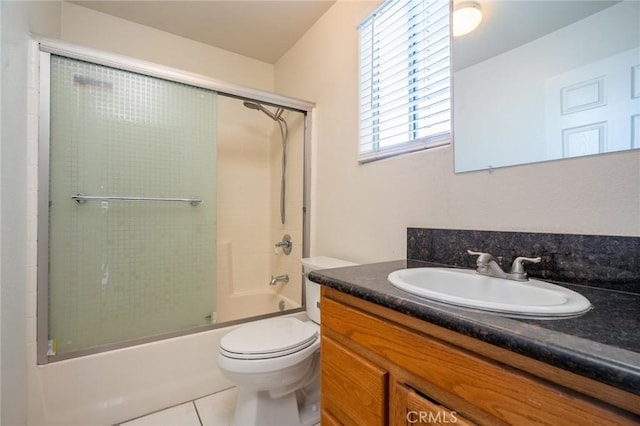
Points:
(51, 47)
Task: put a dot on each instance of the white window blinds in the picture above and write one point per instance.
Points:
(405, 96)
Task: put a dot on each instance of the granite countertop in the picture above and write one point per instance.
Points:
(603, 344)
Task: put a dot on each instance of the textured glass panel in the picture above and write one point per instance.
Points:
(121, 270)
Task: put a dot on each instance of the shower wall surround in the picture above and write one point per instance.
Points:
(248, 216)
(599, 260)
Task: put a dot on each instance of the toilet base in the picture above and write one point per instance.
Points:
(300, 408)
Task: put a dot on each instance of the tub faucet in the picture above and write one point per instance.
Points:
(274, 280)
(488, 265)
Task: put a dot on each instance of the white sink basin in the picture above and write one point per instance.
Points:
(463, 287)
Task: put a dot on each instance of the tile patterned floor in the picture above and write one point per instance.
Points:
(212, 410)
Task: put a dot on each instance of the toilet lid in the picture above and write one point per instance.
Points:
(269, 338)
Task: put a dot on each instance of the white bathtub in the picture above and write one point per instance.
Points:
(251, 304)
(115, 386)
(252, 296)
(118, 385)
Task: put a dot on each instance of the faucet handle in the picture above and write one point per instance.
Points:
(286, 245)
(517, 267)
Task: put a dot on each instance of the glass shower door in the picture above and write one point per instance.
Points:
(132, 251)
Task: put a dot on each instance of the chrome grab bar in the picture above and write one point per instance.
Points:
(81, 199)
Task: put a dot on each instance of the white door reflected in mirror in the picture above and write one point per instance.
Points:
(571, 92)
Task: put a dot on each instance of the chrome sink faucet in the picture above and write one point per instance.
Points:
(488, 265)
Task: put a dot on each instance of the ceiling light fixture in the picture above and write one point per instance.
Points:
(466, 18)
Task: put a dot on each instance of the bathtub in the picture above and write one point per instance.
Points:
(114, 386)
(252, 296)
(251, 304)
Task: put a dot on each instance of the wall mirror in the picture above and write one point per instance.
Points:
(546, 80)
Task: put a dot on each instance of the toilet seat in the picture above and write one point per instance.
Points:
(271, 338)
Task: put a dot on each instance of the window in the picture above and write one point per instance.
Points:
(405, 92)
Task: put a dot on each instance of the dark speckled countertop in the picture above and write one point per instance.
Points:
(603, 344)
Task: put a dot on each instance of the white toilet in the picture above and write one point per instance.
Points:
(275, 363)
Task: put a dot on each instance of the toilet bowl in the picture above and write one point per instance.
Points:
(275, 363)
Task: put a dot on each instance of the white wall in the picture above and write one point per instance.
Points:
(243, 206)
(18, 300)
(87, 27)
(361, 212)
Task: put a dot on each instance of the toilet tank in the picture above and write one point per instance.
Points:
(312, 290)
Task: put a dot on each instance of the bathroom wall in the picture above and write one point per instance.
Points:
(361, 212)
(249, 225)
(87, 27)
(17, 306)
(244, 204)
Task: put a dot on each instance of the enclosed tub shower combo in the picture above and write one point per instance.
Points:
(161, 205)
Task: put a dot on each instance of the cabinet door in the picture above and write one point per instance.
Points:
(353, 388)
(410, 408)
(326, 419)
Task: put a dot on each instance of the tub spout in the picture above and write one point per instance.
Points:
(284, 278)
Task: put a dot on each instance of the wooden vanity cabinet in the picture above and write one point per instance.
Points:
(380, 367)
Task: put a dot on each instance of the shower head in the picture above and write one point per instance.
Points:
(251, 105)
(284, 132)
(256, 106)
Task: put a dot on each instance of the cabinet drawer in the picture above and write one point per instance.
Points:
(410, 408)
(326, 419)
(353, 389)
(502, 392)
